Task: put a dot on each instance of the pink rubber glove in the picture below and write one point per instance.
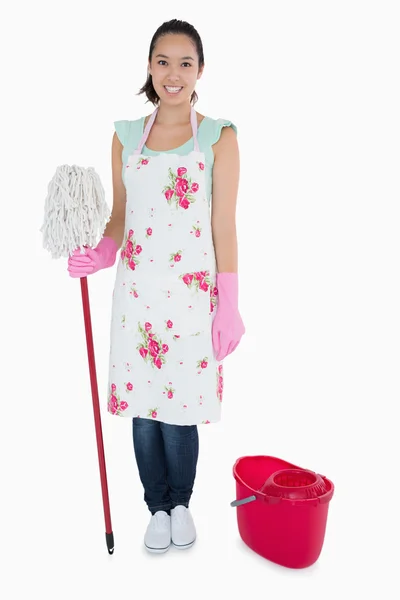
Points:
(228, 327)
(94, 259)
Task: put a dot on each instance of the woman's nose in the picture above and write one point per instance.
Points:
(173, 77)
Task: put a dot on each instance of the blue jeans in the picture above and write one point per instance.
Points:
(166, 457)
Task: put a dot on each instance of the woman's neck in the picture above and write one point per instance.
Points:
(173, 115)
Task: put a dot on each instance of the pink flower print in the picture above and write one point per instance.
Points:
(180, 188)
(154, 348)
(151, 348)
(129, 252)
(184, 203)
(169, 324)
(213, 297)
(176, 337)
(170, 392)
(129, 387)
(168, 194)
(149, 232)
(143, 352)
(112, 404)
(115, 406)
(201, 166)
(197, 231)
(134, 293)
(152, 413)
(157, 362)
(202, 364)
(175, 257)
(129, 249)
(220, 382)
(142, 162)
(200, 280)
(187, 278)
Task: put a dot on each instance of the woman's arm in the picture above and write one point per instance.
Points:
(224, 198)
(116, 225)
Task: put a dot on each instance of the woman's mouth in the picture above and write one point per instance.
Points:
(172, 90)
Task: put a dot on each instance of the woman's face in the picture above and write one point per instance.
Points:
(174, 68)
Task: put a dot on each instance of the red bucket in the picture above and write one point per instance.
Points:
(282, 509)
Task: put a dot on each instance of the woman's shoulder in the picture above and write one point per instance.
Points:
(129, 130)
(210, 129)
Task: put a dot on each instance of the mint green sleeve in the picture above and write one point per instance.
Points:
(218, 125)
(122, 129)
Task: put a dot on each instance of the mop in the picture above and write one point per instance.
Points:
(75, 216)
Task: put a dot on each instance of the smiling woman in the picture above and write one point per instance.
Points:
(175, 63)
(175, 310)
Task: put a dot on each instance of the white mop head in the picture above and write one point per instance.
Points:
(76, 212)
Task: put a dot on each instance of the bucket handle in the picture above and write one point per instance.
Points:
(243, 501)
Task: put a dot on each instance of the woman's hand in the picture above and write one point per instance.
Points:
(94, 259)
(228, 327)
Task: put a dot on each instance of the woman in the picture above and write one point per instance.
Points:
(175, 304)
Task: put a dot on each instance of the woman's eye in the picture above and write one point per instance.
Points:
(164, 62)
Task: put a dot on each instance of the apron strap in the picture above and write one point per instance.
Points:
(193, 120)
(146, 132)
(143, 139)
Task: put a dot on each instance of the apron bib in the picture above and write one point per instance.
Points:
(162, 362)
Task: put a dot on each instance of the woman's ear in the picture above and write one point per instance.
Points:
(200, 73)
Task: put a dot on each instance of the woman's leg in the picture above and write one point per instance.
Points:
(181, 443)
(150, 457)
(181, 446)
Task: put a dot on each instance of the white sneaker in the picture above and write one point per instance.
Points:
(158, 533)
(183, 531)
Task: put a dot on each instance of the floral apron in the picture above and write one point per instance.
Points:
(162, 363)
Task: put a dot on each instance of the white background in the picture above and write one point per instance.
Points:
(313, 88)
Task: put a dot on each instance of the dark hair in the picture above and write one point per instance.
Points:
(172, 27)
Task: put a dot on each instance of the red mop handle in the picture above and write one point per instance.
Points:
(96, 411)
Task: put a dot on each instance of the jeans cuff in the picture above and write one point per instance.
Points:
(154, 509)
(183, 503)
